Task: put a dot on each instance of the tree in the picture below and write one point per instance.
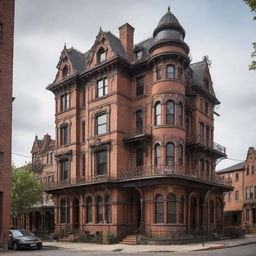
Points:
(252, 5)
(26, 190)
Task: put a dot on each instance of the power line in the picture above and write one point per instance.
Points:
(21, 155)
(238, 160)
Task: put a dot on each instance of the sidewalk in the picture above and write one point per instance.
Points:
(152, 248)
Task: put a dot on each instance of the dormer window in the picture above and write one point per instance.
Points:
(138, 55)
(64, 72)
(206, 84)
(101, 55)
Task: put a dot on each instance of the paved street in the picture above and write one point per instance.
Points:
(246, 250)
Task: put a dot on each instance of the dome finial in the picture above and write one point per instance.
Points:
(169, 8)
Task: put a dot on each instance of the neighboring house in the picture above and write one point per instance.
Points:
(134, 144)
(40, 218)
(240, 204)
(6, 72)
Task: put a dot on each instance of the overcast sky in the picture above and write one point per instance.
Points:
(223, 30)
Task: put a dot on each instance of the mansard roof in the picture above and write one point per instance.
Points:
(236, 167)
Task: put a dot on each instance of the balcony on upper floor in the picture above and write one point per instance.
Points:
(146, 174)
(173, 172)
(76, 181)
(37, 167)
(140, 134)
(206, 144)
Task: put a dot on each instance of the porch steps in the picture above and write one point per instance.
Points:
(130, 240)
(69, 238)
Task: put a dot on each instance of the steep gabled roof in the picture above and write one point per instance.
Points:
(200, 69)
(44, 145)
(77, 59)
(116, 45)
(236, 167)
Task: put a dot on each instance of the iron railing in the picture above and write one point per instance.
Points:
(140, 131)
(207, 142)
(144, 172)
(172, 171)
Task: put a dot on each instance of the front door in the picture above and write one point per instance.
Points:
(76, 215)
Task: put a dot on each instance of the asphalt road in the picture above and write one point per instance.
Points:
(246, 250)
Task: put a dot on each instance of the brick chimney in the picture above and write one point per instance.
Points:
(126, 32)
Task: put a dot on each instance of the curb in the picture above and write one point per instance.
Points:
(224, 246)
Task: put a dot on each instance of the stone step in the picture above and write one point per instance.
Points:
(129, 240)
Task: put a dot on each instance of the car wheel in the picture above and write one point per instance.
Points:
(15, 247)
(38, 247)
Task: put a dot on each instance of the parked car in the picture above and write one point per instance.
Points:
(19, 239)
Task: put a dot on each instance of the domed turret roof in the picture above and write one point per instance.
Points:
(167, 22)
(168, 18)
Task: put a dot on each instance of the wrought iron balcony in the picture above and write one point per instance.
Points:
(75, 181)
(172, 171)
(37, 167)
(138, 135)
(143, 172)
(207, 144)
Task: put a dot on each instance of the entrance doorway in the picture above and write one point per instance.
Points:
(254, 215)
(1, 216)
(133, 211)
(75, 214)
(193, 215)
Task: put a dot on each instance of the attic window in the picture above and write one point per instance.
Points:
(64, 72)
(138, 55)
(101, 55)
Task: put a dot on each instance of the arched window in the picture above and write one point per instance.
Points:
(101, 55)
(159, 209)
(139, 121)
(157, 155)
(180, 114)
(108, 212)
(212, 211)
(88, 209)
(170, 112)
(158, 113)
(171, 208)
(180, 156)
(63, 211)
(139, 157)
(170, 154)
(99, 204)
(182, 206)
(64, 71)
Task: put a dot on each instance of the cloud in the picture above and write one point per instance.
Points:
(221, 30)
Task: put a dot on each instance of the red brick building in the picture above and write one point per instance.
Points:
(6, 67)
(134, 137)
(40, 218)
(240, 204)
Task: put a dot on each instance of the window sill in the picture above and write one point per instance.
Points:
(167, 126)
(140, 97)
(63, 111)
(168, 79)
(168, 224)
(100, 98)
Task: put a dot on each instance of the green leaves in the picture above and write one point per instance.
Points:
(26, 190)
